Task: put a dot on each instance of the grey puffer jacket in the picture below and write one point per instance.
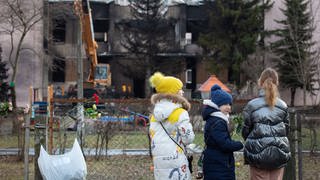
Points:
(265, 131)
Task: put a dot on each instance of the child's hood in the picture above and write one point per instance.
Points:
(209, 108)
(163, 109)
(165, 104)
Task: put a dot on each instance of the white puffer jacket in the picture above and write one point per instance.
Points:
(169, 159)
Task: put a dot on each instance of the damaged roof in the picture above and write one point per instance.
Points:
(212, 80)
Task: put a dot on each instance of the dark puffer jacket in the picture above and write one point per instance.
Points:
(218, 161)
(265, 131)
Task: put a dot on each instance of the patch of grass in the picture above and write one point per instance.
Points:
(11, 168)
(306, 139)
(8, 141)
(129, 140)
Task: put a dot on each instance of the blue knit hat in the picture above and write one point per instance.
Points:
(219, 96)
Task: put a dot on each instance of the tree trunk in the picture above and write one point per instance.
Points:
(304, 96)
(147, 85)
(15, 69)
(13, 96)
(148, 74)
(293, 94)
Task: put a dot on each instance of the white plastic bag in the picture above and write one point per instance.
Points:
(68, 166)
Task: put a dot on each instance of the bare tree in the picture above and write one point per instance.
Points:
(18, 17)
(254, 64)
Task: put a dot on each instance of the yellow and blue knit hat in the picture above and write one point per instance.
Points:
(165, 84)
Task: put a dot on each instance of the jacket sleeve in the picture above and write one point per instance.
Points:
(185, 128)
(247, 126)
(219, 133)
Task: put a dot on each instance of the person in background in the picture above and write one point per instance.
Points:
(170, 128)
(266, 125)
(218, 159)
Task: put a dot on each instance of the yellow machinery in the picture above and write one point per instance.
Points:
(99, 73)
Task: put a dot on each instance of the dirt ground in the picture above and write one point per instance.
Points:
(135, 167)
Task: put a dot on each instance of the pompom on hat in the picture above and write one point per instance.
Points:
(219, 96)
(165, 84)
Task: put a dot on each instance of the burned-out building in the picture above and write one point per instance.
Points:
(107, 17)
(50, 49)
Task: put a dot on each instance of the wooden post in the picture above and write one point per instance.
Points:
(50, 107)
(62, 90)
(27, 136)
(40, 131)
(80, 128)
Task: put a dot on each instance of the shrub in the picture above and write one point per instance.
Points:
(237, 120)
(4, 108)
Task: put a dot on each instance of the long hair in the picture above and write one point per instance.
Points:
(269, 82)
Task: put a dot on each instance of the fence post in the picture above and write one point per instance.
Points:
(290, 170)
(50, 108)
(27, 117)
(26, 147)
(39, 140)
(299, 139)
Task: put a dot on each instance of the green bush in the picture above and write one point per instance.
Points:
(92, 112)
(237, 120)
(4, 108)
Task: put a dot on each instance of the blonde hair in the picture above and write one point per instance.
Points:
(269, 82)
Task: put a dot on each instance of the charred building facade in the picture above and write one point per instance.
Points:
(187, 19)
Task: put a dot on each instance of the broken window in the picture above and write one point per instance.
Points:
(58, 70)
(59, 30)
(101, 36)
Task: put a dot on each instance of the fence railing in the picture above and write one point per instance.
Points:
(116, 144)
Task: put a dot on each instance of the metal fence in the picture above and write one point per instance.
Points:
(113, 135)
(114, 139)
